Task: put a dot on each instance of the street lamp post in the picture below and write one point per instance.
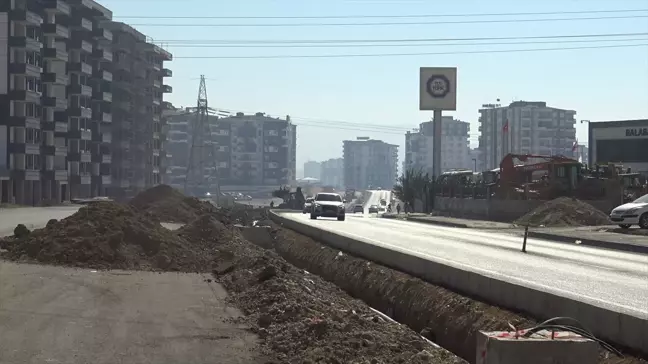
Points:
(475, 161)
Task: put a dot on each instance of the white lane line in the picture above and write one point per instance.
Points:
(489, 273)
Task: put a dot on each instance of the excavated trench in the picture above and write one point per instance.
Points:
(442, 316)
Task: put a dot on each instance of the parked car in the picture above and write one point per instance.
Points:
(373, 209)
(358, 208)
(632, 213)
(328, 205)
(308, 205)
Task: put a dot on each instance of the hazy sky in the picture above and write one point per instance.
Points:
(333, 99)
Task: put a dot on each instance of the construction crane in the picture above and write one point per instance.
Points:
(201, 178)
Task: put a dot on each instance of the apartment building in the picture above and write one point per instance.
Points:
(369, 163)
(455, 146)
(177, 146)
(332, 173)
(312, 169)
(138, 89)
(56, 102)
(525, 127)
(255, 150)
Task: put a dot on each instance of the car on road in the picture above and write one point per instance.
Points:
(358, 208)
(308, 205)
(633, 213)
(327, 204)
(373, 209)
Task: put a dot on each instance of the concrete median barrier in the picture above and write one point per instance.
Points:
(622, 328)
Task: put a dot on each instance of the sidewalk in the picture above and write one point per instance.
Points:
(595, 236)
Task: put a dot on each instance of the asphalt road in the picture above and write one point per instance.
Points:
(32, 217)
(59, 315)
(610, 279)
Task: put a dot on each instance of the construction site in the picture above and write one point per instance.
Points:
(526, 182)
(304, 301)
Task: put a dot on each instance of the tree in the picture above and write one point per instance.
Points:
(413, 185)
(283, 193)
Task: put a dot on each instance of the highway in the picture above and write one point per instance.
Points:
(609, 279)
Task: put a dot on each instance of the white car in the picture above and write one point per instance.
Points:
(633, 213)
(328, 205)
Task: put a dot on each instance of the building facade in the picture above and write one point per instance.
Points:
(369, 164)
(620, 142)
(332, 173)
(57, 136)
(312, 169)
(455, 146)
(525, 127)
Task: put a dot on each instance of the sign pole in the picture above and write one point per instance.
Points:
(436, 146)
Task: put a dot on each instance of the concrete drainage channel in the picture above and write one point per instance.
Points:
(444, 317)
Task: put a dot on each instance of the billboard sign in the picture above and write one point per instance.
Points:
(438, 88)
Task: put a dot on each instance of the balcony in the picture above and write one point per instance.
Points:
(80, 23)
(80, 90)
(55, 54)
(26, 43)
(25, 96)
(61, 127)
(166, 105)
(102, 96)
(102, 54)
(102, 35)
(81, 44)
(106, 118)
(81, 112)
(80, 67)
(167, 89)
(25, 17)
(57, 31)
(122, 66)
(55, 78)
(106, 138)
(104, 75)
(61, 175)
(54, 102)
(167, 72)
(57, 7)
(25, 69)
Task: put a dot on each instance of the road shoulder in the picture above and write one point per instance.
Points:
(65, 315)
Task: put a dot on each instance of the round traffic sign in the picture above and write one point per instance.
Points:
(438, 86)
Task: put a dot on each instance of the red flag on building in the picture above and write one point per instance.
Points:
(505, 128)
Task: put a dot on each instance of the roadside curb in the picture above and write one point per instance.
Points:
(625, 247)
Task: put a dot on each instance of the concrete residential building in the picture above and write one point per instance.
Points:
(312, 169)
(56, 102)
(369, 164)
(455, 152)
(255, 152)
(533, 128)
(138, 88)
(332, 173)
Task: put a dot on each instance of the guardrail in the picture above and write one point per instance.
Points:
(620, 328)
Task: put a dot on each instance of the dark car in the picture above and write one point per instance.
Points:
(373, 209)
(358, 208)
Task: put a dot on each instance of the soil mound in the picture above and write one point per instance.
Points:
(564, 211)
(108, 235)
(170, 205)
(303, 319)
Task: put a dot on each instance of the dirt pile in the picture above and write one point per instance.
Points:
(170, 205)
(303, 319)
(108, 235)
(564, 211)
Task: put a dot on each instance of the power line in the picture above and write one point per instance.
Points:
(389, 23)
(413, 54)
(318, 41)
(375, 45)
(384, 16)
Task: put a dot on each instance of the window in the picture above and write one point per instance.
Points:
(33, 84)
(33, 136)
(33, 110)
(33, 58)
